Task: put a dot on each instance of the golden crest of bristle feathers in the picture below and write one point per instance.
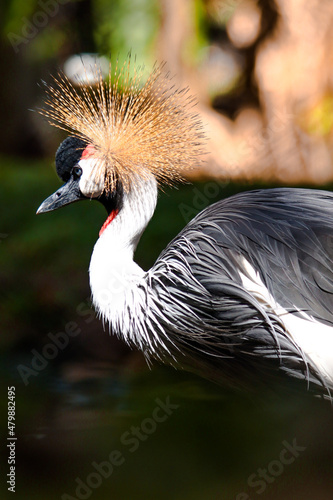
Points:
(135, 128)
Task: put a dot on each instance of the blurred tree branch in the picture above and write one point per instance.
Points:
(266, 137)
(261, 69)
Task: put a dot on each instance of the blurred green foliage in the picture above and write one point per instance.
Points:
(14, 13)
(125, 26)
(318, 120)
(119, 27)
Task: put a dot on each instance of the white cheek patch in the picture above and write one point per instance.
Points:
(91, 181)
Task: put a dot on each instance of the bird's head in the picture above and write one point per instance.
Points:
(77, 166)
(123, 132)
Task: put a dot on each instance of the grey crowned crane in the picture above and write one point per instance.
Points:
(247, 285)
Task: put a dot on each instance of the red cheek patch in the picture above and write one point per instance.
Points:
(88, 152)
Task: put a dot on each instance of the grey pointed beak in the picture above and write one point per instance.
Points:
(68, 193)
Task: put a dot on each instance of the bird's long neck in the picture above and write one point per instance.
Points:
(114, 276)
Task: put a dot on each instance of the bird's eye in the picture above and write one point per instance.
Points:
(77, 172)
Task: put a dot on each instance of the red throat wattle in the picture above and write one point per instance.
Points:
(108, 221)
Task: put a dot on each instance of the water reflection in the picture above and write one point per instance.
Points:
(164, 434)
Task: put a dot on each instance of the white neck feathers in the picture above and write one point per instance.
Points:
(114, 276)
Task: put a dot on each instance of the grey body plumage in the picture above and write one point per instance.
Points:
(195, 299)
